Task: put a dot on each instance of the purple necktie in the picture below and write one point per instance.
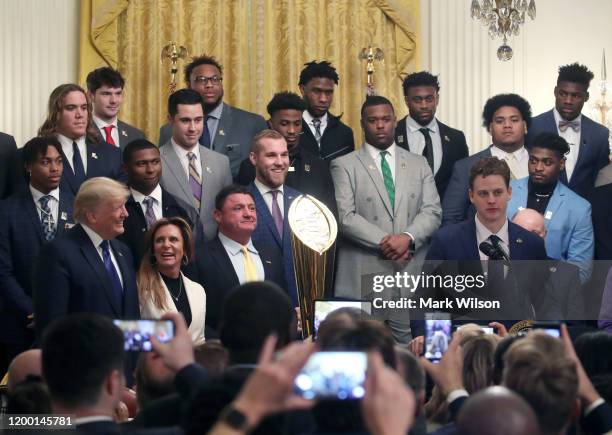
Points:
(276, 213)
(149, 213)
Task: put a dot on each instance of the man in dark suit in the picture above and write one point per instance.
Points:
(105, 91)
(272, 200)
(507, 117)
(87, 270)
(307, 173)
(8, 147)
(601, 199)
(227, 130)
(148, 201)
(325, 136)
(70, 119)
(230, 258)
(589, 145)
(27, 221)
(421, 133)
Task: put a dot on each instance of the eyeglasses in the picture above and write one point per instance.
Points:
(215, 80)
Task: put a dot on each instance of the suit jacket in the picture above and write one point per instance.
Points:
(601, 200)
(136, 225)
(456, 203)
(337, 139)
(21, 237)
(103, 160)
(454, 148)
(127, 134)
(604, 176)
(69, 277)
(218, 277)
(215, 173)
(366, 216)
(197, 303)
(8, 147)
(562, 298)
(266, 235)
(234, 134)
(593, 153)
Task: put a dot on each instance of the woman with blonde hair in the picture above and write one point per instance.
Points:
(161, 285)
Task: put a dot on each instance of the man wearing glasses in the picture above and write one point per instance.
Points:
(227, 130)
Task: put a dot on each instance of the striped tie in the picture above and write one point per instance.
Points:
(195, 181)
(388, 178)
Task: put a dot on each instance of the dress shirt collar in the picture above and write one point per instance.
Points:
(216, 112)
(308, 118)
(235, 248)
(93, 236)
(519, 154)
(37, 194)
(483, 233)
(182, 152)
(559, 118)
(67, 142)
(415, 126)
(156, 195)
(101, 123)
(263, 189)
(375, 152)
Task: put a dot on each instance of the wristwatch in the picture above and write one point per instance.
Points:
(234, 418)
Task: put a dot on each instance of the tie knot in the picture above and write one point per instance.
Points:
(44, 200)
(383, 154)
(191, 156)
(108, 128)
(244, 250)
(316, 122)
(104, 245)
(424, 130)
(494, 239)
(75, 147)
(148, 200)
(274, 193)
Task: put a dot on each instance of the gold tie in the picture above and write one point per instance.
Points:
(250, 271)
(513, 165)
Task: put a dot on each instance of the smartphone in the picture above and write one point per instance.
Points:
(485, 328)
(137, 333)
(323, 307)
(438, 333)
(333, 376)
(551, 328)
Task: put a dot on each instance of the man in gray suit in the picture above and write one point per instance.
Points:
(227, 130)
(388, 207)
(105, 91)
(190, 171)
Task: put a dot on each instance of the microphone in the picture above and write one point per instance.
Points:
(493, 252)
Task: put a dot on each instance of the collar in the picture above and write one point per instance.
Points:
(234, 247)
(156, 195)
(415, 126)
(92, 419)
(37, 194)
(520, 154)
(308, 117)
(263, 189)
(216, 112)
(182, 152)
(483, 233)
(100, 123)
(93, 236)
(375, 152)
(67, 142)
(559, 118)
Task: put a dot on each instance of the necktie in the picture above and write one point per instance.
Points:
(387, 178)
(48, 223)
(195, 181)
(250, 271)
(205, 138)
(317, 125)
(563, 125)
(276, 213)
(149, 213)
(428, 150)
(77, 164)
(113, 276)
(513, 165)
(109, 137)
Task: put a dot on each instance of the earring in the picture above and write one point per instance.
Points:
(185, 260)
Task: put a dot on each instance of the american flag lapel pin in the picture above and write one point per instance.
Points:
(124, 133)
(94, 156)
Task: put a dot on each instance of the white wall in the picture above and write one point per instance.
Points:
(461, 52)
(38, 51)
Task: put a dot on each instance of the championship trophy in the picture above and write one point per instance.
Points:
(173, 52)
(313, 234)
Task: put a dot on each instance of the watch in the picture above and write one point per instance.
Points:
(234, 418)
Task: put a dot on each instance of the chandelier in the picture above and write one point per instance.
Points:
(503, 18)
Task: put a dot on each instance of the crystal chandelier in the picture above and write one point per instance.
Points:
(503, 18)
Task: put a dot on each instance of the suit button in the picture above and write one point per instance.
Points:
(369, 199)
(144, 229)
(375, 218)
(412, 195)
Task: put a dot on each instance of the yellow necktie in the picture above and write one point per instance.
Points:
(513, 165)
(250, 271)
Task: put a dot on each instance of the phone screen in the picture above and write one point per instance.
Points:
(137, 333)
(323, 308)
(333, 375)
(437, 337)
(551, 328)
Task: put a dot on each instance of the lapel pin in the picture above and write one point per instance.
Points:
(519, 240)
(120, 254)
(403, 165)
(268, 262)
(208, 170)
(64, 216)
(291, 169)
(124, 133)
(400, 138)
(307, 168)
(553, 269)
(221, 133)
(446, 138)
(68, 226)
(94, 156)
(372, 168)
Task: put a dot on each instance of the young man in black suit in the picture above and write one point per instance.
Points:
(326, 136)
(421, 133)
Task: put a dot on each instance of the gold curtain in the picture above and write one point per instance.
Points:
(262, 45)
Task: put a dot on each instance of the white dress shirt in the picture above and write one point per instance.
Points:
(184, 160)
(53, 203)
(67, 150)
(416, 140)
(573, 139)
(521, 160)
(266, 193)
(308, 120)
(483, 233)
(96, 240)
(157, 203)
(234, 251)
(389, 157)
(114, 132)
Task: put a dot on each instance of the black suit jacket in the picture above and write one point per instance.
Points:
(218, 277)
(601, 213)
(8, 147)
(337, 139)
(69, 277)
(454, 148)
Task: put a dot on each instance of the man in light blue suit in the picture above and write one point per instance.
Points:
(567, 216)
(588, 140)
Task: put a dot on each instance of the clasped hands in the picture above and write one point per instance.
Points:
(396, 247)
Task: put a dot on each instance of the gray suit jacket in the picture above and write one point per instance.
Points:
(366, 216)
(233, 136)
(215, 176)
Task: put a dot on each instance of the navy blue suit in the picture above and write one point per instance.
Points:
(267, 235)
(70, 277)
(103, 160)
(593, 152)
(21, 237)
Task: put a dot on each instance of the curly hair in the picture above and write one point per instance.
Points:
(421, 78)
(575, 73)
(200, 60)
(493, 104)
(321, 69)
(285, 101)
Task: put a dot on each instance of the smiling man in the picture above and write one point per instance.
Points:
(587, 139)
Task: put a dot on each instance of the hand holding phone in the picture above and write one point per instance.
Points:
(137, 333)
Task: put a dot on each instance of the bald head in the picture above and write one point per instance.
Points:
(483, 412)
(530, 220)
(28, 363)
